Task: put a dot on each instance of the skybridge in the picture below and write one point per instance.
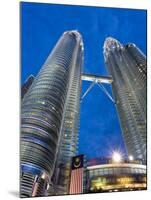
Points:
(100, 81)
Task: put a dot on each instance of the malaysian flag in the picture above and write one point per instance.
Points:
(76, 181)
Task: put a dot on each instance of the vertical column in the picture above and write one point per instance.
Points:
(70, 125)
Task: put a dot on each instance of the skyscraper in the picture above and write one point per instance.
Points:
(69, 130)
(48, 109)
(127, 66)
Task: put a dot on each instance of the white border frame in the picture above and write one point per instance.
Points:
(9, 100)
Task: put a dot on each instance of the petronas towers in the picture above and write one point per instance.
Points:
(50, 111)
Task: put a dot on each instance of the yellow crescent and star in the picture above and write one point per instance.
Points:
(77, 162)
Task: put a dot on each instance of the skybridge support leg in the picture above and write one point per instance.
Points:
(89, 88)
(101, 86)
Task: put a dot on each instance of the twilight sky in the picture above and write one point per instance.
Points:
(41, 27)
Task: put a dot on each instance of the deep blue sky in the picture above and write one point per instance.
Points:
(41, 27)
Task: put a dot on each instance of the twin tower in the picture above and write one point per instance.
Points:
(50, 112)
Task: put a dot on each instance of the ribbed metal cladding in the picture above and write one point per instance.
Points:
(43, 107)
(127, 65)
(28, 180)
(70, 126)
(139, 60)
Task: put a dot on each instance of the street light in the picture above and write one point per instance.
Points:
(131, 158)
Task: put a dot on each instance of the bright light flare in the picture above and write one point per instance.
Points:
(131, 158)
(116, 157)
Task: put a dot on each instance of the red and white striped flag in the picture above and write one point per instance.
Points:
(76, 181)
